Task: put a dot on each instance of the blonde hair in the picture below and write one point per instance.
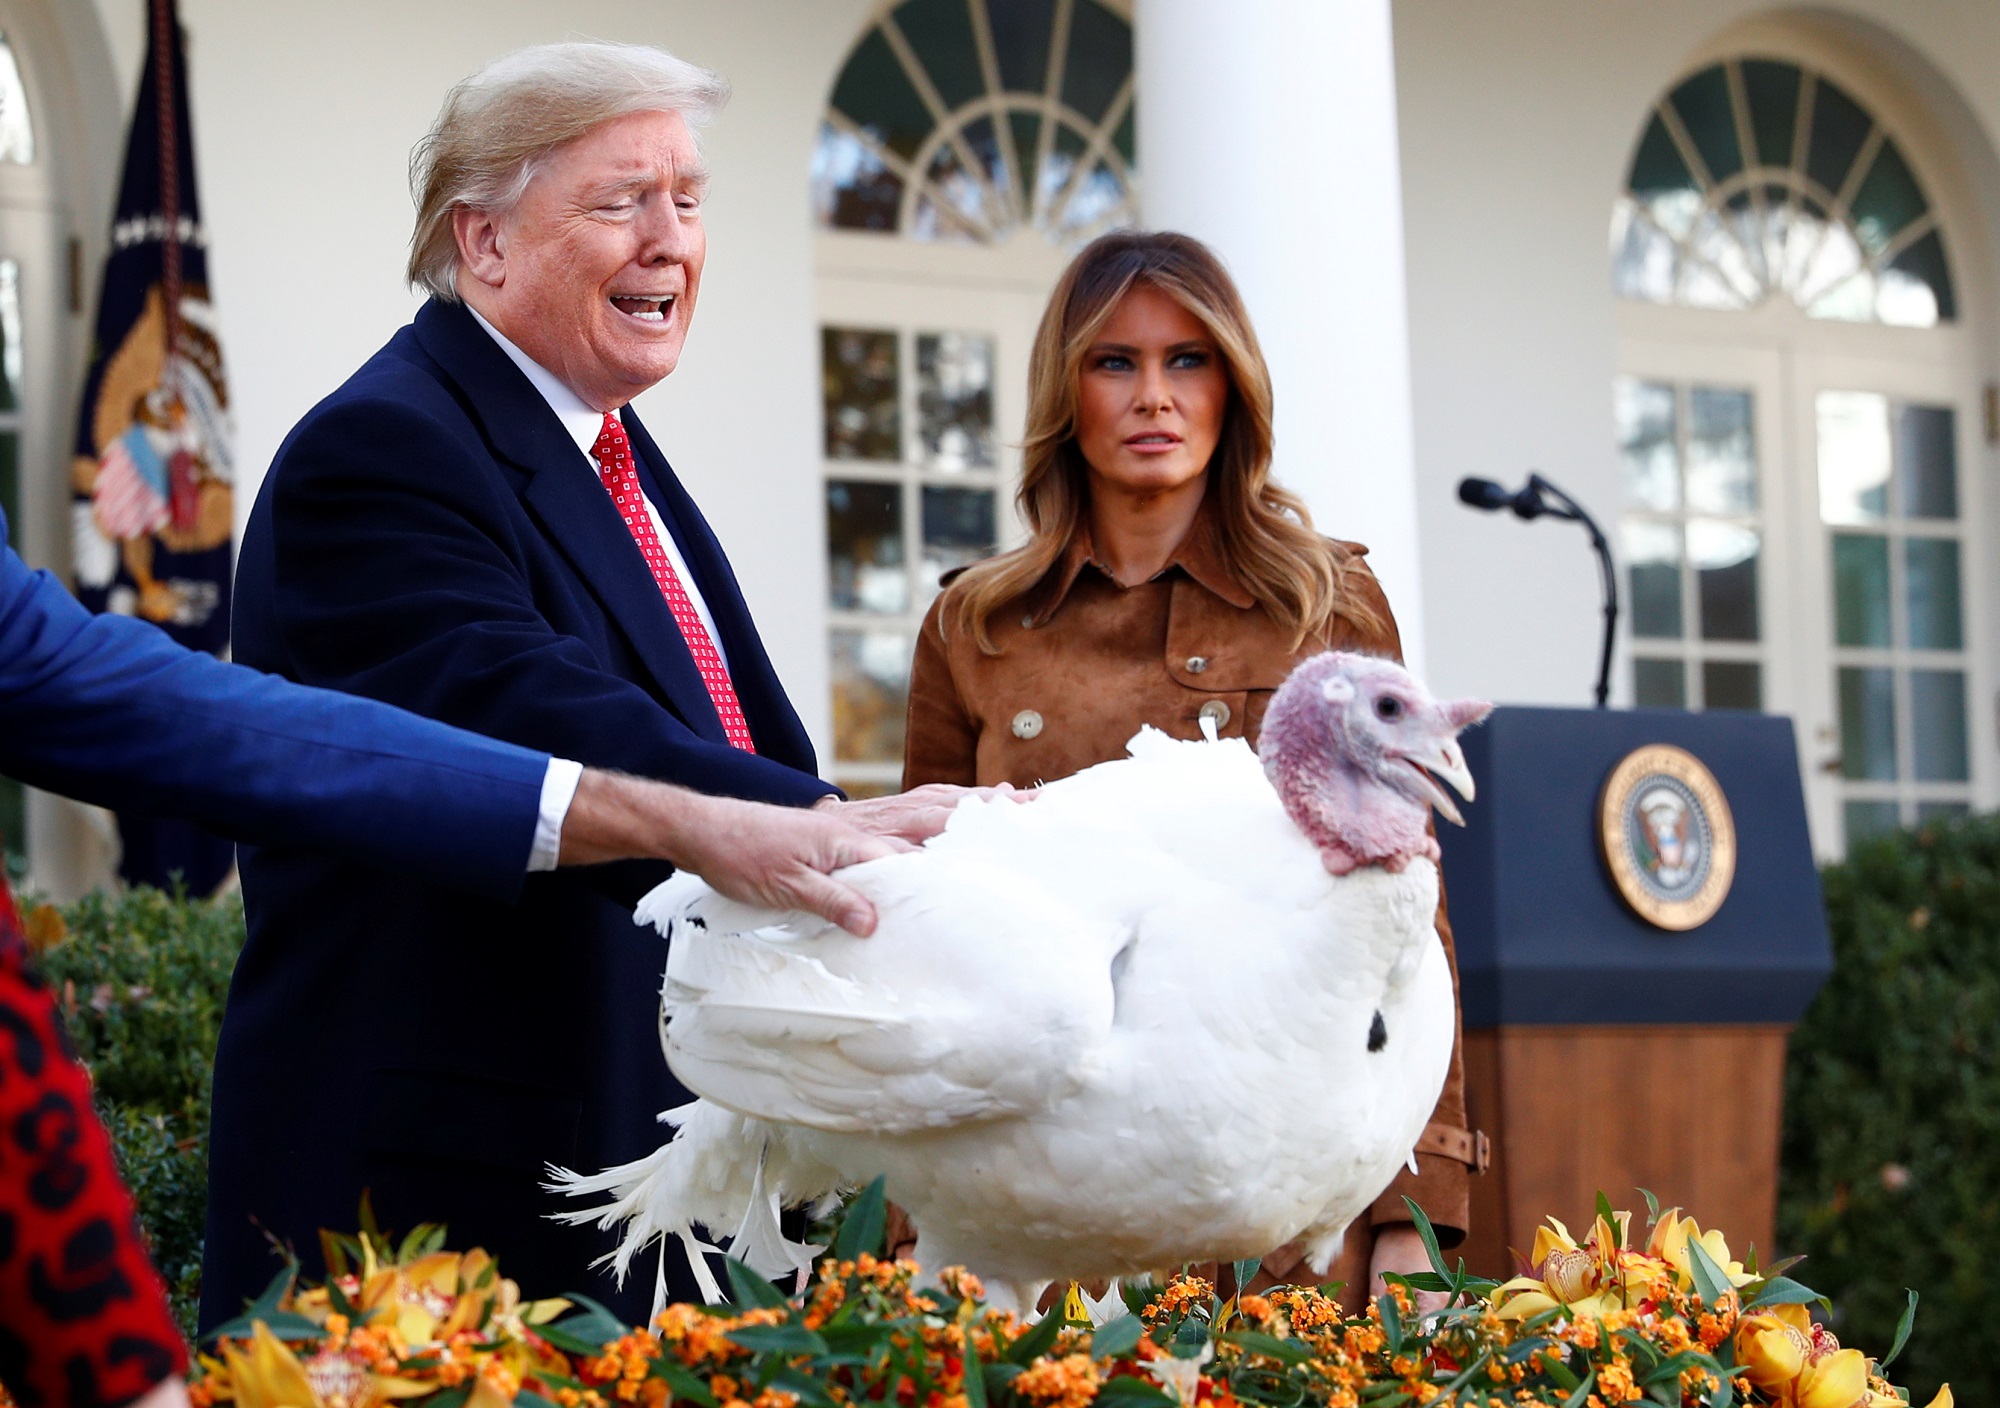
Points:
(499, 125)
(1265, 531)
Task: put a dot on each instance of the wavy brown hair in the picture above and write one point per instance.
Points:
(1265, 531)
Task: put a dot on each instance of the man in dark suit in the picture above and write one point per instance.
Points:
(477, 527)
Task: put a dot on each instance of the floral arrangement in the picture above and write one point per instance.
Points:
(1665, 1317)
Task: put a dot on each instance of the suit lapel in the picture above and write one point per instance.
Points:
(773, 722)
(569, 503)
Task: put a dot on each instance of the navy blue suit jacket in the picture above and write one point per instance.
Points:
(430, 535)
(109, 710)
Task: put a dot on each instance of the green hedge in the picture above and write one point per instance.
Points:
(141, 979)
(1891, 1160)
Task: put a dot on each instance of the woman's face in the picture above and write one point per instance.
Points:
(1153, 394)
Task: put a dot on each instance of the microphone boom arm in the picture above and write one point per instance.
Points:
(1557, 504)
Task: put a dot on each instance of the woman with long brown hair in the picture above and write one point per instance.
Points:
(1166, 580)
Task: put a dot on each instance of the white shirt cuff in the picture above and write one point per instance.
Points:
(558, 791)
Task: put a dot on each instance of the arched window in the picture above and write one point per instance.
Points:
(1758, 176)
(967, 147)
(1795, 415)
(969, 120)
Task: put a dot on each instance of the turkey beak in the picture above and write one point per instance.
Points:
(1447, 766)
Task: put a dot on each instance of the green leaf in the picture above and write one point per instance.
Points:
(1781, 1290)
(451, 1397)
(1190, 1340)
(527, 1398)
(1246, 1271)
(1652, 1206)
(1036, 1340)
(975, 1376)
(1903, 1328)
(1582, 1391)
(750, 1291)
(865, 1224)
(1711, 1282)
(683, 1382)
(1392, 1322)
(779, 1339)
(1117, 1337)
(1427, 1234)
(1130, 1392)
(1000, 1380)
(804, 1385)
(282, 1323)
(1137, 1295)
(1284, 1351)
(1422, 1281)
(1558, 1369)
(1610, 1217)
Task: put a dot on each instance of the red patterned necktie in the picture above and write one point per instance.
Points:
(614, 460)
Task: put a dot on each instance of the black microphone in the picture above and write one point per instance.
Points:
(1484, 494)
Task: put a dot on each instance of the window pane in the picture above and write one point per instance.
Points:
(1710, 118)
(1935, 621)
(1021, 31)
(1653, 562)
(860, 373)
(1937, 725)
(1773, 92)
(1887, 200)
(1732, 684)
(852, 188)
(1860, 589)
(10, 481)
(1839, 127)
(1942, 811)
(1926, 462)
(940, 33)
(1658, 684)
(1865, 819)
(1868, 724)
(875, 94)
(10, 335)
(1099, 61)
(1853, 456)
(1722, 452)
(1651, 459)
(871, 692)
(955, 399)
(17, 130)
(1923, 263)
(1725, 563)
(958, 529)
(864, 547)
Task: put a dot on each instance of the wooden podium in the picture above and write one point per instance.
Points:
(1639, 924)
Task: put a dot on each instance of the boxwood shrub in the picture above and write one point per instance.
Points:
(1891, 1157)
(141, 979)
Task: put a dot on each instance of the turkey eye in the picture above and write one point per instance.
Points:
(1388, 707)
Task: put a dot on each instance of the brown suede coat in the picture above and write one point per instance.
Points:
(1082, 663)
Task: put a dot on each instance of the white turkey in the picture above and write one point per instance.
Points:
(1178, 1007)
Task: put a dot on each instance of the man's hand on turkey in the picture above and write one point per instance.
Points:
(913, 816)
(1189, 1006)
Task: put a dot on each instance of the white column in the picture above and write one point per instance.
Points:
(1267, 128)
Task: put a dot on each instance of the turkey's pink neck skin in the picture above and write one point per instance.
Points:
(1353, 821)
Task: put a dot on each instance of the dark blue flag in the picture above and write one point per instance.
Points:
(155, 514)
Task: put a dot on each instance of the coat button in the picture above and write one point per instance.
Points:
(1196, 664)
(1028, 723)
(1215, 712)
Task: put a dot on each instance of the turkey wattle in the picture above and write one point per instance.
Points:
(1181, 1007)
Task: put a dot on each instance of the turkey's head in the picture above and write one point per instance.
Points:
(1357, 749)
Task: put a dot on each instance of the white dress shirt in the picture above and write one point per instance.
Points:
(584, 424)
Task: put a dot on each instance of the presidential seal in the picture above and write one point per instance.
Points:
(1667, 835)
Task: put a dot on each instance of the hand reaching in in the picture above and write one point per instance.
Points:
(913, 816)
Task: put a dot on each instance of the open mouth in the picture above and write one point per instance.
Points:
(1447, 767)
(646, 310)
(1152, 441)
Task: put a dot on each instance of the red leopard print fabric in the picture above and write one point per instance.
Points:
(83, 1316)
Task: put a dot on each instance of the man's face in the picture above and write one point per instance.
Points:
(594, 272)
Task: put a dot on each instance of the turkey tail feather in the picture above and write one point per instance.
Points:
(715, 1172)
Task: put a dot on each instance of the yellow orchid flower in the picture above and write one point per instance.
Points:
(1943, 1399)
(1837, 1380)
(270, 1375)
(1669, 1243)
(1771, 1353)
(1552, 1236)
